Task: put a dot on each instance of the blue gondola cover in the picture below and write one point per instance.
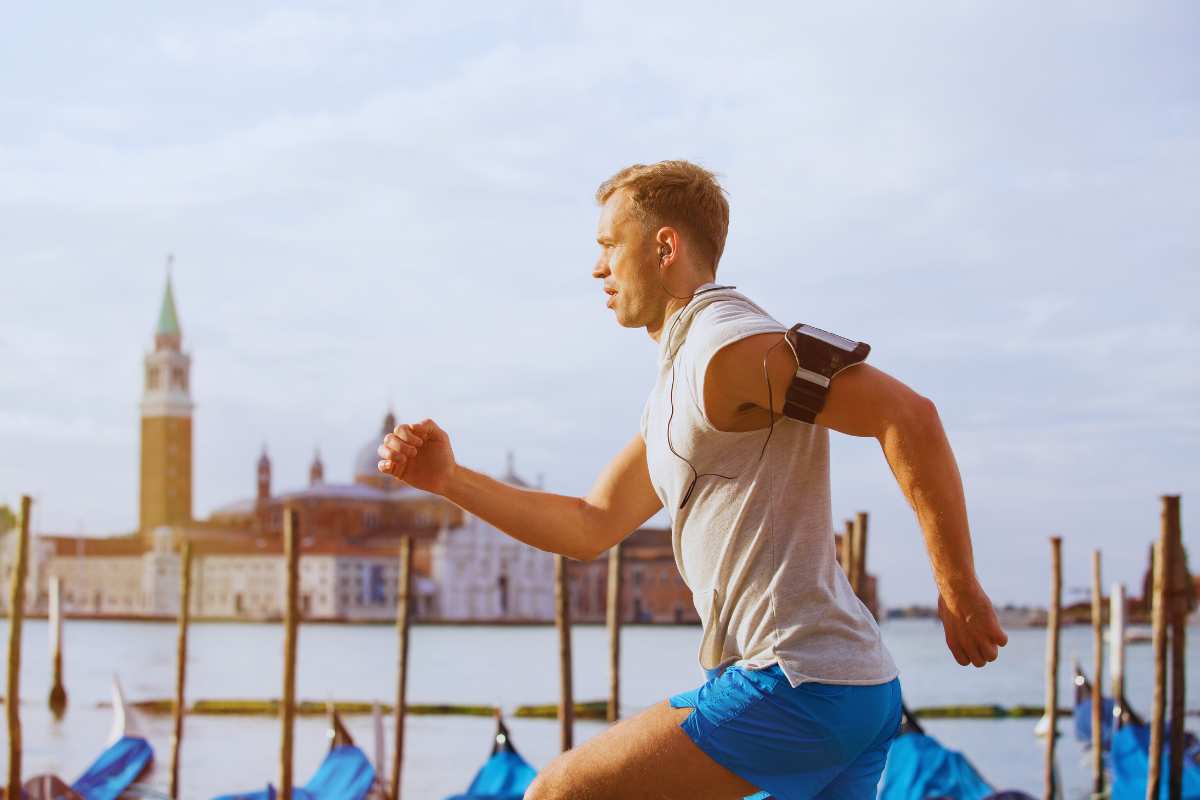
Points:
(115, 768)
(345, 774)
(1083, 721)
(1130, 759)
(918, 767)
(504, 776)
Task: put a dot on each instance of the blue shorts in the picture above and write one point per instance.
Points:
(818, 740)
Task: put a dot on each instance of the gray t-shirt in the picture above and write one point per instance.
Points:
(756, 551)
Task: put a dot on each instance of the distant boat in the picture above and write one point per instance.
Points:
(126, 758)
(1132, 636)
(505, 775)
(345, 774)
(919, 767)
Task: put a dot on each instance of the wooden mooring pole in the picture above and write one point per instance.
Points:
(1177, 609)
(58, 693)
(1116, 651)
(16, 615)
(291, 553)
(403, 616)
(185, 596)
(1158, 704)
(1098, 677)
(1052, 624)
(858, 556)
(562, 621)
(847, 550)
(614, 633)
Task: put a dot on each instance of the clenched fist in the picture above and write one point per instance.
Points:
(419, 455)
(973, 632)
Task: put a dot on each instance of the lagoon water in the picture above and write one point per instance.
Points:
(506, 666)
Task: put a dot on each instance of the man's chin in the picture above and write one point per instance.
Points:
(627, 322)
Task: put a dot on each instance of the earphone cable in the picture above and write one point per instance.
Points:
(696, 475)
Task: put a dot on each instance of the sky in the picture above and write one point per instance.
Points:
(372, 205)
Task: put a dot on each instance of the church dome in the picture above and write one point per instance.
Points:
(366, 461)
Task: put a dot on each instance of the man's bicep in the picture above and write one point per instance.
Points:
(864, 400)
(622, 497)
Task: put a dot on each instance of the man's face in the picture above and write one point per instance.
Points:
(627, 264)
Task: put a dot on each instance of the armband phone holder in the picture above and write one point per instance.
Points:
(820, 355)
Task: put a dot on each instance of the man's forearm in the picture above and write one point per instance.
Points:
(919, 454)
(551, 522)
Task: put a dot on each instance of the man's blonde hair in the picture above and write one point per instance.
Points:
(678, 194)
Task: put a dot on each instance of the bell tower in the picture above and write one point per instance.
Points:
(166, 481)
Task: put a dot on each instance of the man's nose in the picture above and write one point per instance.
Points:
(600, 270)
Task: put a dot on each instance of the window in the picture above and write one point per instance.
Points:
(376, 585)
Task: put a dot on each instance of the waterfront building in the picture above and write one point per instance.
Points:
(484, 574)
(651, 587)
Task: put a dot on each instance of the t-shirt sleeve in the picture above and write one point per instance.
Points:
(715, 327)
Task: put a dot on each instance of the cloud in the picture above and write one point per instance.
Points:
(395, 206)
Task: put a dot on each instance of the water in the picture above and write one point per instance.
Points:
(506, 666)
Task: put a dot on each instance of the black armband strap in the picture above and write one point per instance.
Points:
(820, 355)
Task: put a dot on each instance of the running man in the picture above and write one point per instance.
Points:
(802, 697)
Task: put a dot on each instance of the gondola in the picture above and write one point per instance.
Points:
(345, 774)
(504, 776)
(919, 767)
(1129, 747)
(126, 758)
(1129, 761)
(1082, 711)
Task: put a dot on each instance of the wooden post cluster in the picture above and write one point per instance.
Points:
(1052, 625)
(16, 616)
(562, 621)
(185, 597)
(291, 551)
(58, 693)
(403, 618)
(1169, 611)
(1098, 677)
(614, 632)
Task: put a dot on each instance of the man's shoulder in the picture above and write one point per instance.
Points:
(731, 311)
(727, 320)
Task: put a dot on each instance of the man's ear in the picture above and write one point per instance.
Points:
(668, 245)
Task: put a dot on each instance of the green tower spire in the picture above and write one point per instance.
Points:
(168, 317)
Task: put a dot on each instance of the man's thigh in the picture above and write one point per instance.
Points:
(645, 756)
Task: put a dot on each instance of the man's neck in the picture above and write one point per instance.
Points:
(674, 304)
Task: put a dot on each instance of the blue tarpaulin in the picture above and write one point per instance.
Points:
(1083, 721)
(115, 769)
(504, 776)
(918, 767)
(1130, 760)
(345, 774)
